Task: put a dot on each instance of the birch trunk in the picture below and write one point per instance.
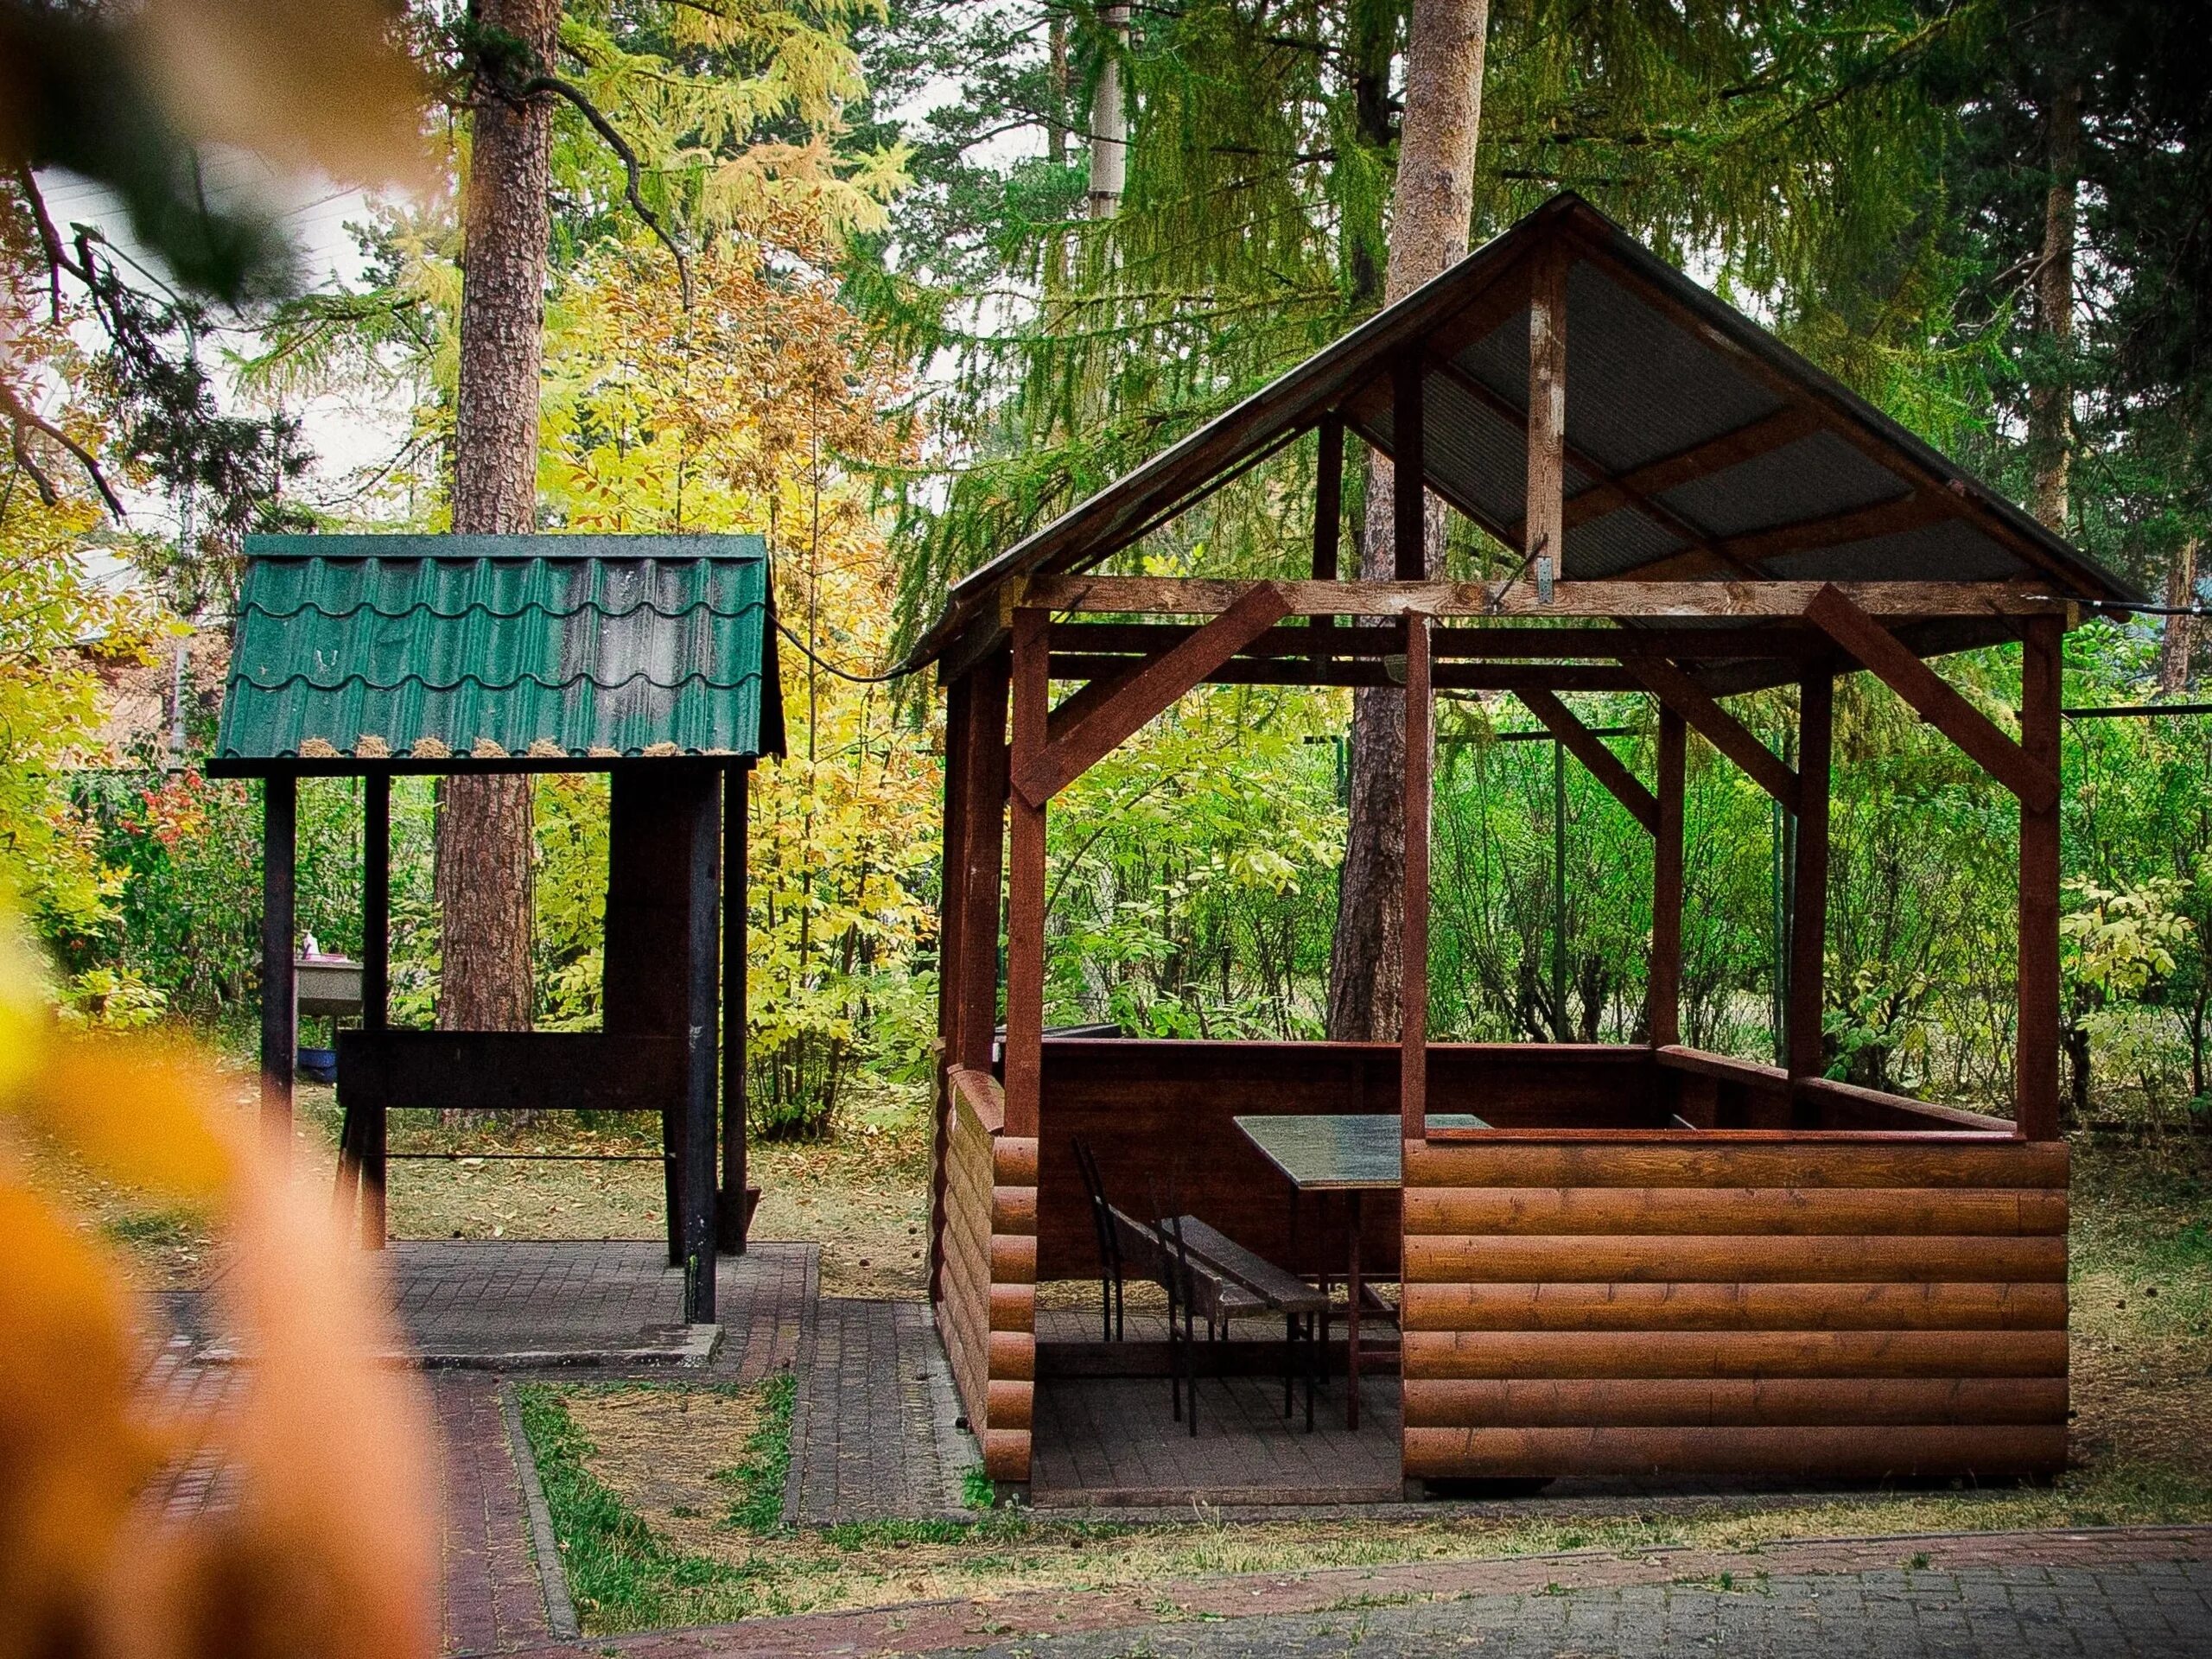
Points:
(484, 828)
(1430, 205)
(1109, 119)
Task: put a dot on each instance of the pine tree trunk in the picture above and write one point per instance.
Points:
(484, 828)
(2050, 403)
(2178, 641)
(1109, 118)
(1430, 205)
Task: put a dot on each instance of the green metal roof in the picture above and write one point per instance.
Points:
(421, 648)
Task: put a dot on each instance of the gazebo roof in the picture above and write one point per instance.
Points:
(455, 653)
(1698, 446)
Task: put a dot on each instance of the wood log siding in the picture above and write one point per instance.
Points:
(1832, 1306)
(987, 1304)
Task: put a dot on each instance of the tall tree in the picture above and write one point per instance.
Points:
(2051, 405)
(485, 840)
(1432, 205)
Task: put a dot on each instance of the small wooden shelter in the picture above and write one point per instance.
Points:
(1657, 1261)
(652, 659)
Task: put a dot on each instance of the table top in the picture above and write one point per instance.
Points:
(1341, 1152)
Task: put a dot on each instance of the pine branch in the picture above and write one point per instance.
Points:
(23, 420)
(615, 142)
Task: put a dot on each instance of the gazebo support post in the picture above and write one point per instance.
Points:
(1328, 505)
(280, 817)
(376, 988)
(1409, 481)
(1664, 1015)
(1413, 992)
(2035, 1083)
(1809, 885)
(731, 1221)
(702, 967)
(1025, 924)
(951, 949)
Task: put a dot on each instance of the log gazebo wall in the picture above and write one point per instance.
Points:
(986, 1289)
(1847, 1303)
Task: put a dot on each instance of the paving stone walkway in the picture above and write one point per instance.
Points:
(874, 1433)
(2139, 1594)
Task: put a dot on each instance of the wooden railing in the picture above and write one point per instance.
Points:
(987, 1304)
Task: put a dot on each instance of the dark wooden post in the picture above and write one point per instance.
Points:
(1543, 522)
(1809, 927)
(376, 988)
(730, 1219)
(984, 887)
(1025, 924)
(1413, 991)
(280, 820)
(952, 919)
(702, 791)
(1328, 505)
(1409, 485)
(2035, 1081)
(1664, 1017)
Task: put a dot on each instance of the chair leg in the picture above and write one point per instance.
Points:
(1313, 1360)
(1289, 1358)
(1105, 1308)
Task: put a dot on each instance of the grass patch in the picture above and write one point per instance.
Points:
(759, 1506)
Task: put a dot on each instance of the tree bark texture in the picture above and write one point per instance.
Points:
(485, 836)
(1109, 118)
(2178, 642)
(1430, 205)
(2050, 402)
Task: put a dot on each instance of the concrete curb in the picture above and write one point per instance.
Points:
(545, 1546)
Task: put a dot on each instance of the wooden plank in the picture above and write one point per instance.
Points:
(1719, 727)
(1808, 932)
(699, 807)
(1014, 1209)
(1328, 505)
(520, 1071)
(1733, 1353)
(1013, 1355)
(2035, 1083)
(1543, 533)
(1577, 1258)
(1709, 1161)
(1013, 1161)
(1723, 1402)
(1735, 1211)
(731, 1220)
(280, 820)
(1013, 1259)
(1412, 958)
(982, 889)
(1210, 597)
(1590, 749)
(1056, 763)
(1735, 1307)
(1512, 642)
(1011, 1402)
(1408, 467)
(1664, 996)
(1932, 698)
(1318, 670)
(1014, 1307)
(1907, 511)
(1864, 1452)
(981, 1097)
(1025, 924)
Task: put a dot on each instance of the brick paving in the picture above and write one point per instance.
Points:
(871, 1433)
(2143, 1591)
(492, 1598)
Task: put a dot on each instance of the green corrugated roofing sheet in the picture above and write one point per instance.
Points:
(549, 647)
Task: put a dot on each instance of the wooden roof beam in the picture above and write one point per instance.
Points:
(1768, 598)
(1510, 644)
(1933, 699)
(1720, 728)
(1590, 749)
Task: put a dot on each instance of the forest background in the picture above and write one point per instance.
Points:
(893, 284)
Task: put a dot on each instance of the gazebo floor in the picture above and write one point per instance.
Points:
(1113, 1442)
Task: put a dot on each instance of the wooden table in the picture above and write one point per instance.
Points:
(1350, 1152)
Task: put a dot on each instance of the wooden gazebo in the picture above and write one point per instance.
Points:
(1657, 1261)
(652, 659)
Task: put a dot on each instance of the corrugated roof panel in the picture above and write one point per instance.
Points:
(1817, 477)
(644, 643)
(1953, 551)
(1619, 541)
